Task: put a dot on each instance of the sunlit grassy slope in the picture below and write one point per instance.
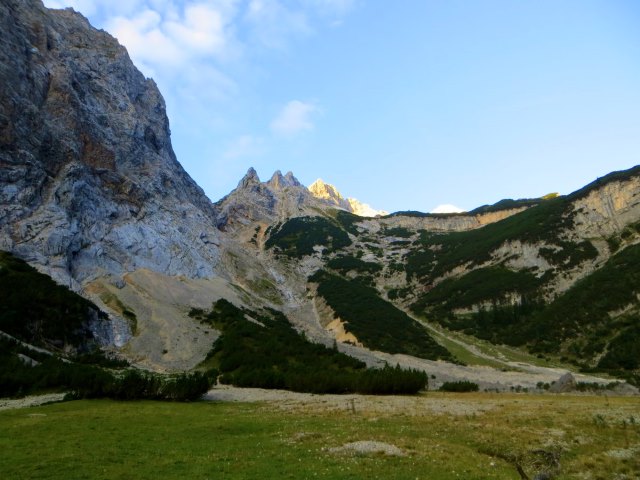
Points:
(592, 437)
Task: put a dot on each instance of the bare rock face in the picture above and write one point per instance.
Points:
(89, 183)
(456, 222)
(253, 201)
(607, 210)
(331, 196)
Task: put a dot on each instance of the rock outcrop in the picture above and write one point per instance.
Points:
(332, 197)
(443, 222)
(89, 183)
(253, 201)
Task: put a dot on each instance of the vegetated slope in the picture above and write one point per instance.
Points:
(436, 254)
(36, 312)
(517, 281)
(536, 279)
(263, 350)
(297, 237)
(378, 324)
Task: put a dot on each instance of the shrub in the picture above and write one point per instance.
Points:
(460, 386)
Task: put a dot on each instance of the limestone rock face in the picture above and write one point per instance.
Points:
(331, 196)
(253, 201)
(89, 182)
(607, 210)
(328, 192)
(456, 222)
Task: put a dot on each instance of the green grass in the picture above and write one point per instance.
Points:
(501, 353)
(462, 354)
(150, 440)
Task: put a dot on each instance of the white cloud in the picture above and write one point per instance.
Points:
(203, 55)
(272, 23)
(295, 117)
(245, 146)
(198, 32)
(202, 29)
(147, 44)
(447, 208)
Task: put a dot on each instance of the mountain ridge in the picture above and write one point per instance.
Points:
(95, 198)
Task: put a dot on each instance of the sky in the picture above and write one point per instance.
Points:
(404, 105)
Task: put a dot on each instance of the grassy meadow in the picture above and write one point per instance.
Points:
(443, 436)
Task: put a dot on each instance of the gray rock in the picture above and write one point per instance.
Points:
(566, 383)
(89, 183)
(253, 201)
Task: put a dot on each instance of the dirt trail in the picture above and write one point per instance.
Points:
(424, 404)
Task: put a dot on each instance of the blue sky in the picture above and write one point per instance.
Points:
(403, 105)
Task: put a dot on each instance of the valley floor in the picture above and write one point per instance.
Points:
(285, 435)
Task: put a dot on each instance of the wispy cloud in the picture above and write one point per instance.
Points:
(272, 24)
(295, 117)
(176, 36)
(204, 55)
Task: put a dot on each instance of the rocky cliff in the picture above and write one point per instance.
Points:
(253, 201)
(89, 183)
(91, 193)
(332, 197)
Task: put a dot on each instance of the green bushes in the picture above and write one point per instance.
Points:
(585, 307)
(90, 381)
(375, 322)
(397, 232)
(87, 377)
(348, 263)
(483, 284)
(36, 309)
(460, 386)
(578, 324)
(624, 350)
(508, 204)
(297, 236)
(273, 355)
(569, 254)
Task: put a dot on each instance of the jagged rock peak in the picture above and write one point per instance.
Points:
(320, 189)
(251, 177)
(280, 181)
(331, 195)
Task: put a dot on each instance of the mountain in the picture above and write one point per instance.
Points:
(282, 196)
(556, 275)
(332, 196)
(89, 182)
(94, 197)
